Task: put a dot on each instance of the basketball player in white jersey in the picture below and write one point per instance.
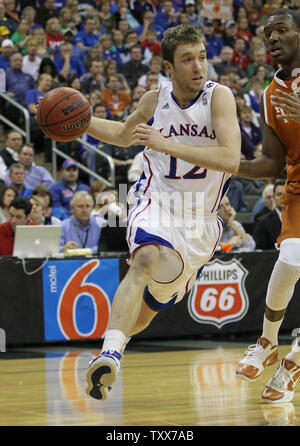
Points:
(192, 144)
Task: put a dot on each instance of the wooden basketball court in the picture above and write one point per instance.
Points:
(169, 388)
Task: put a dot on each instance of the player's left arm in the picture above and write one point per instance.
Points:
(224, 157)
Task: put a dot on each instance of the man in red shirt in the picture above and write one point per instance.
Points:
(19, 209)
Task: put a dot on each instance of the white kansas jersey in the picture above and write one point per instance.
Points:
(192, 126)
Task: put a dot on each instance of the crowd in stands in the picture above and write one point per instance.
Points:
(110, 50)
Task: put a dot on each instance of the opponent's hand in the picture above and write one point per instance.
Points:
(146, 135)
(289, 102)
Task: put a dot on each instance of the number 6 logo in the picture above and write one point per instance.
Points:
(66, 310)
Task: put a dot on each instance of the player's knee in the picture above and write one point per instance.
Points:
(146, 260)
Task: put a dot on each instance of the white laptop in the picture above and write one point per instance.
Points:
(36, 241)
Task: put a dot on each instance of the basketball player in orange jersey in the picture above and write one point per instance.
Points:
(281, 147)
(188, 150)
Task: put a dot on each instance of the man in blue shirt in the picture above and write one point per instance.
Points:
(81, 230)
(67, 65)
(214, 43)
(87, 38)
(63, 191)
(17, 178)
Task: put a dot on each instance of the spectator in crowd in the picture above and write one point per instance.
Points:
(65, 19)
(236, 196)
(251, 186)
(167, 17)
(95, 53)
(243, 31)
(93, 161)
(119, 44)
(21, 35)
(54, 37)
(67, 65)
(226, 55)
(97, 186)
(88, 37)
(131, 39)
(47, 66)
(259, 42)
(42, 50)
(107, 49)
(134, 69)
(93, 79)
(9, 154)
(37, 213)
(10, 10)
(258, 59)
(29, 14)
(214, 43)
(229, 34)
(233, 233)
(76, 17)
(253, 98)
(7, 49)
(265, 204)
(63, 191)
(81, 229)
(110, 67)
(140, 6)
(106, 19)
(114, 98)
(6, 21)
(268, 227)
(152, 81)
(249, 132)
(155, 66)
(191, 11)
(34, 175)
(152, 43)
(42, 143)
(19, 209)
(17, 180)
(50, 211)
(69, 36)
(31, 61)
(123, 12)
(17, 85)
(7, 194)
(45, 12)
(149, 23)
(240, 56)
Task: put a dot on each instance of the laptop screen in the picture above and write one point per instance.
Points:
(36, 241)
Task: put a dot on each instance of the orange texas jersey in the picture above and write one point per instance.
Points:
(287, 131)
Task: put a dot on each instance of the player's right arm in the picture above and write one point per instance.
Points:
(272, 162)
(120, 133)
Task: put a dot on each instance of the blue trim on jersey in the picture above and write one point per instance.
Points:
(192, 103)
(150, 122)
(154, 304)
(199, 272)
(145, 238)
(224, 190)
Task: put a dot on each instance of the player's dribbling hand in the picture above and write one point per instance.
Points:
(289, 102)
(146, 135)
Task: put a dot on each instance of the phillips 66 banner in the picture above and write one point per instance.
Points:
(77, 297)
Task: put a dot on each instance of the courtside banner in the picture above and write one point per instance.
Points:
(77, 297)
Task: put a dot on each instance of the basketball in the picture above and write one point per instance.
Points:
(64, 114)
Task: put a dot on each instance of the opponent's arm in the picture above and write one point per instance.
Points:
(271, 163)
(224, 157)
(120, 133)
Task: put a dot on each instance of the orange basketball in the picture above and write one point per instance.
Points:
(64, 114)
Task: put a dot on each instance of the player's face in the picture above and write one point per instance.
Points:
(188, 72)
(282, 40)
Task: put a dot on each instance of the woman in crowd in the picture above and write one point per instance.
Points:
(37, 213)
(49, 211)
(7, 194)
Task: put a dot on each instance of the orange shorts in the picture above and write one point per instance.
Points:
(290, 217)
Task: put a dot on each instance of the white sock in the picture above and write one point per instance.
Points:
(114, 340)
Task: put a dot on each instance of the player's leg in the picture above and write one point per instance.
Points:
(281, 286)
(125, 312)
(280, 388)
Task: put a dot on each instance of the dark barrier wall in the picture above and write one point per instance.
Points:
(70, 299)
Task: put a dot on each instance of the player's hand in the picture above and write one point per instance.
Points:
(146, 135)
(289, 102)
